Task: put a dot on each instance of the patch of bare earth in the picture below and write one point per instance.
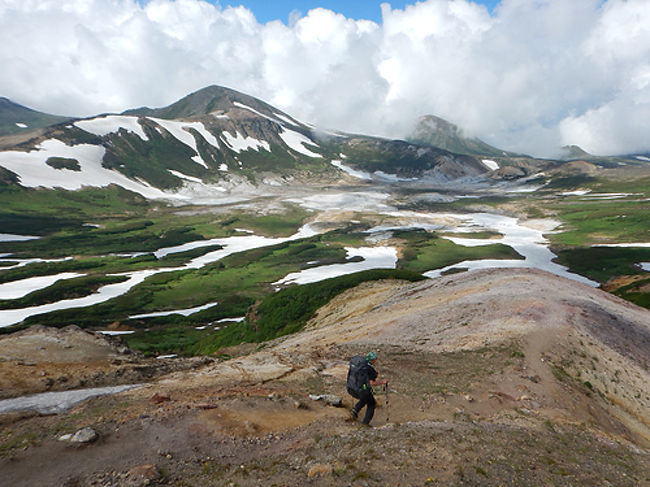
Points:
(501, 377)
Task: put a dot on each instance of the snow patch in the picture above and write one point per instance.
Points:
(359, 201)
(9, 237)
(185, 176)
(527, 241)
(297, 142)
(392, 177)
(373, 258)
(239, 143)
(109, 124)
(232, 320)
(580, 192)
(246, 107)
(21, 125)
(179, 131)
(625, 245)
(58, 402)
(490, 164)
(609, 196)
(352, 172)
(286, 119)
(641, 158)
(645, 266)
(183, 312)
(33, 172)
(20, 288)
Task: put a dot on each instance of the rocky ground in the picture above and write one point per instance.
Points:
(499, 377)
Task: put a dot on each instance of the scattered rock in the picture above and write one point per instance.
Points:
(84, 435)
(319, 470)
(329, 399)
(300, 405)
(159, 398)
(142, 475)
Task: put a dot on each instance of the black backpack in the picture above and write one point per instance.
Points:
(357, 375)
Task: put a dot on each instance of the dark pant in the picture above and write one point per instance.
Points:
(366, 399)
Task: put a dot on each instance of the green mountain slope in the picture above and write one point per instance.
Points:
(15, 118)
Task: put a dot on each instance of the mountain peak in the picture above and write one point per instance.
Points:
(205, 101)
(574, 152)
(438, 132)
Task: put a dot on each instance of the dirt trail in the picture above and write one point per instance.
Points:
(501, 377)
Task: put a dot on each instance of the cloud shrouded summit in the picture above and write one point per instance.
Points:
(534, 76)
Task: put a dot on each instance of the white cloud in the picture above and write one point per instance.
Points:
(535, 75)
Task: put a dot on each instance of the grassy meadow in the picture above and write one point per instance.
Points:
(105, 233)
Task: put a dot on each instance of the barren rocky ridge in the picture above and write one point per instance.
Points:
(497, 377)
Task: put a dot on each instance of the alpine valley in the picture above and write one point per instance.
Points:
(228, 258)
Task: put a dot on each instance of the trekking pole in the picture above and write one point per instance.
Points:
(386, 391)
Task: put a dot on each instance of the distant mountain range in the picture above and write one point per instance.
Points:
(217, 138)
(211, 137)
(15, 118)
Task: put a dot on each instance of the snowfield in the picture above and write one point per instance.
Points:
(33, 172)
(18, 289)
(57, 402)
(297, 142)
(184, 312)
(239, 143)
(180, 132)
(490, 164)
(102, 126)
(352, 172)
(373, 258)
(184, 176)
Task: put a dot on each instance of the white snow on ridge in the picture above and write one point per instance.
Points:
(18, 289)
(490, 164)
(33, 172)
(21, 125)
(246, 107)
(352, 172)
(645, 266)
(641, 158)
(177, 129)
(286, 119)
(297, 141)
(239, 143)
(109, 124)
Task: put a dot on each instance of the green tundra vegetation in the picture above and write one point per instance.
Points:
(104, 232)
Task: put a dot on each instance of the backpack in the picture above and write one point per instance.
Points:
(357, 376)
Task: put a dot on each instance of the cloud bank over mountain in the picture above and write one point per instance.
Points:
(531, 77)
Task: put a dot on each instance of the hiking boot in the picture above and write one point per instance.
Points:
(353, 414)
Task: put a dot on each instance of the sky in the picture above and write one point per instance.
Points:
(266, 11)
(523, 75)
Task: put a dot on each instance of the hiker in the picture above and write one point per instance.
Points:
(362, 376)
